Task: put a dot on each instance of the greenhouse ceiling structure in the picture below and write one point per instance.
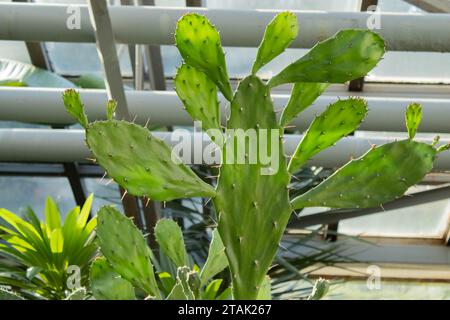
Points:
(102, 106)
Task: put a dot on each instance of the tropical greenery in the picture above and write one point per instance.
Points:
(47, 259)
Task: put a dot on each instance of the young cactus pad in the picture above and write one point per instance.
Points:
(338, 120)
(280, 33)
(251, 198)
(130, 257)
(349, 55)
(199, 96)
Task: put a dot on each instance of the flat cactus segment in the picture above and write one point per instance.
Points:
(413, 116)
(303, 94)
(199, 96)
(253, 208)
(279, 34)
(381, 175)
(199, 44)
(141, 163)
(338, 120)
(216, 261)
(349, 55)
(75, 107)
(107, 284)
(170, 239)
(126, 250)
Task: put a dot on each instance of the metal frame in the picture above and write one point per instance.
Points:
(64, 145)
(240, 28)
(386, 114)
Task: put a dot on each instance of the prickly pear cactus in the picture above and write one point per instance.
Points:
(251, 197)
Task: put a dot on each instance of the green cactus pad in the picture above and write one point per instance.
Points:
(303, 94)
(216, 261)
(170, 239)
(338, 120)
(126, 250)
(253, 208)
(279, 34)
(349, 55)
(199, 44)
(107, 284)
(381, 175)
(413, 116)
(75, 107)
(141, 163)
(111, 109)
(199, 96)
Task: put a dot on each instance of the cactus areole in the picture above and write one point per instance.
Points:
(251, 198)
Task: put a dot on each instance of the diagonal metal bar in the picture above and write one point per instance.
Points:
(333, 216)
(101, 22)
(434, 6)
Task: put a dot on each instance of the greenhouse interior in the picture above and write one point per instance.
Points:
(224, 150)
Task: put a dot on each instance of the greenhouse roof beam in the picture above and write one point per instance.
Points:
(106, 47)
(68, 145)
(240, 28)
(163, 108)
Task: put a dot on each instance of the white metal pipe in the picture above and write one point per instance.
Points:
(240, 28)
(39, 105)
(64, 145)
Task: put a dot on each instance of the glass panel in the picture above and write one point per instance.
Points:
(85, 61)
(103, 194)
(21, 192)
(427, 220)
(397, 6)
(389, 290)
(14, 50)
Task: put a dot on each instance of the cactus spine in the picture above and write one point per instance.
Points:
(253, 208)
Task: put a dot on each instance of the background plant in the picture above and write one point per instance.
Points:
(37, 254)
(252, 209)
